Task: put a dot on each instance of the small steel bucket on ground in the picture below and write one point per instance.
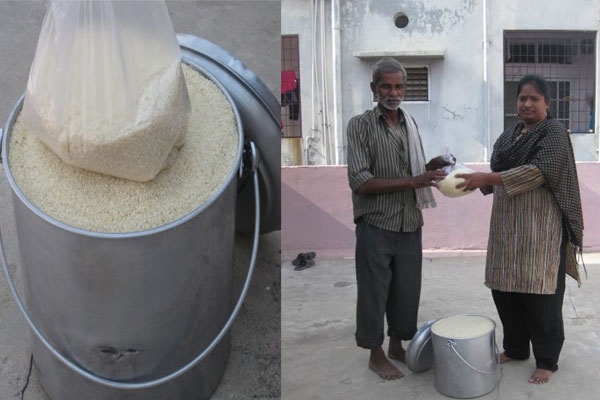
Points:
(466, 367)
(141, 315)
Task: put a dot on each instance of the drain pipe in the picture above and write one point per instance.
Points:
(486, 86)
(596, 105)
(336, 81)
(327, 142)
(313, 82)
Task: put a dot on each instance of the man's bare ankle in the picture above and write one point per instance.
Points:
(380, 364)
(395, 350)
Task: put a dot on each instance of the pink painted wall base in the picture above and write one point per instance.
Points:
(316, 214)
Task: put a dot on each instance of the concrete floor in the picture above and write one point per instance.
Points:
(320, 359)
(249, 30)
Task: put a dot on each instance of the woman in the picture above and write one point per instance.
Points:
(535, 231)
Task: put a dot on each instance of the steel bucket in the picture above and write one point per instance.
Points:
(141, 315)
(466, 368)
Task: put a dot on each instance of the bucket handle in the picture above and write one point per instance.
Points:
(452, 344)
(144, 385)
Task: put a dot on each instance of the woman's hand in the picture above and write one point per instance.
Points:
(477, 180)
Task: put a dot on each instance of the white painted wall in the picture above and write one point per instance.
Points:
(456, 114)
(453, 116)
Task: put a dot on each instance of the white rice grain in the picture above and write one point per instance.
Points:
(462, 327)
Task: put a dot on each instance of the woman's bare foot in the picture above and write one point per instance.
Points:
(504, 358)
(395, 350)
(382, 366)
(540, 376)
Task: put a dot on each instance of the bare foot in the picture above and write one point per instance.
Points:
(395, 350)
(504, 358)
(540, 376)
(382, 366)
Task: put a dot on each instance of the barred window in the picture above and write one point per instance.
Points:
(521, 53)
(291, 121)
(555, 53)
(417, 84)
(549, 51)
(567, 60)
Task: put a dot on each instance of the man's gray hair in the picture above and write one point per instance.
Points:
(385, 66)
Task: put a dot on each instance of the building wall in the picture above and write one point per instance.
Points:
(453, 116)
(462, 42)
(465, 110)
(317, 213)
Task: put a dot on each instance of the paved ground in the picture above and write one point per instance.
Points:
(320, 359)
(249, 30)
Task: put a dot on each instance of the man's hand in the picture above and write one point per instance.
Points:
(438, 163)
(429, 178)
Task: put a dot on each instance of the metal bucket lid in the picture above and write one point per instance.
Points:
(259, 111)
(419, 355)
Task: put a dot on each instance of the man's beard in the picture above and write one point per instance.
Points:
(390, 104)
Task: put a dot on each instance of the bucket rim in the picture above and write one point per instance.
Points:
(493, 329)
(231, 176)
(260, 111)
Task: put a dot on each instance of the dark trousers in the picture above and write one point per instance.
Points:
(388, 277)
(535, 318)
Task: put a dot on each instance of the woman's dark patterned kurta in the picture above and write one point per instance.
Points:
(540, 195)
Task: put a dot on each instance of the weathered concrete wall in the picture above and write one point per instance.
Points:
(454, 113)
(317, 213)
(465, 111)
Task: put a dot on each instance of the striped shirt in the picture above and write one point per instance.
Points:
(525, 234)
(374, 151)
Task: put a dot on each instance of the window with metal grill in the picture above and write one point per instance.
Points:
(417, 84)
(291, 121)
(521, 53)
(551, 51)
(567, 60)
(555, 53)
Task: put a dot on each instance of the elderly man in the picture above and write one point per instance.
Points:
(390, 185)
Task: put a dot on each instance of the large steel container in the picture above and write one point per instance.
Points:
(467, 367)
(139, 315)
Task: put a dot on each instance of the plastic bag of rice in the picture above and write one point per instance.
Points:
(448, 184)
(106, 92)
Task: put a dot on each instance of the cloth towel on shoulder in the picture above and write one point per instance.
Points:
(416, 154)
